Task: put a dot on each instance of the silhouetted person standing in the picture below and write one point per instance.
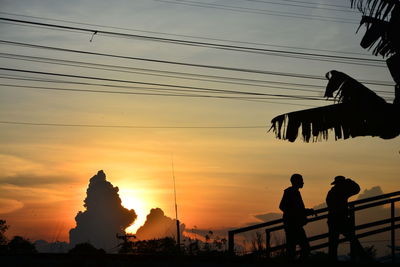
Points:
(294, 218)
(339, 221)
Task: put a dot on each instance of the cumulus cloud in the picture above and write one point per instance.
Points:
(374, 191)
(104, 216)
(158, 225)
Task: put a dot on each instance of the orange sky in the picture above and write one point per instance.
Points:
(221, 182)
(223, 176)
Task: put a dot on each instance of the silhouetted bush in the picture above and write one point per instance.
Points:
(3, 239)
(20, 245)
(86, 249)
(165, 245)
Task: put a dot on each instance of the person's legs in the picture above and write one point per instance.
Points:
(290, 242)
(356, 249)
(303, 242)
(333, 241)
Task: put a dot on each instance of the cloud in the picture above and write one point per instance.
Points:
(269, 216)
(9, 205)
(33, 180)
(104, 216)
(374, 191)
(158, 225)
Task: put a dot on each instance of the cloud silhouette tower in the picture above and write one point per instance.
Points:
(104, 216)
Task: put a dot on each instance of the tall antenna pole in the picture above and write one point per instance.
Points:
(178, 236)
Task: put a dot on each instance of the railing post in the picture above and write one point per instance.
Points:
(393, 238)
(268, 243)
(231, 243)
(352, 219)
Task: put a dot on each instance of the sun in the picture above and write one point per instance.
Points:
(129, 201)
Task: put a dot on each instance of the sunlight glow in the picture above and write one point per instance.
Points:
(130, 201)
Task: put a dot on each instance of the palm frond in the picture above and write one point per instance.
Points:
(375, 8)
(359, 112)
(382, 21)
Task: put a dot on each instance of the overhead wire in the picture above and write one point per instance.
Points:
(214, 90)
(255, 71)
(303, 2)
(315, 3)
(152, 89)
(277, 82)
(141, 71)
(183, 35)
(260, 11)
(285, 53)
(133, 126)
(117, 68)
(164, 94)
(313, 6)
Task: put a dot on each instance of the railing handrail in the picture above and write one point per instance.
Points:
(371, 202)
(351, 203)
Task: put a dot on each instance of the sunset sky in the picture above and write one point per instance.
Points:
(228, 168)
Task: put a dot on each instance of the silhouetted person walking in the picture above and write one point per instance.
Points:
(339, 221)
(294, 218)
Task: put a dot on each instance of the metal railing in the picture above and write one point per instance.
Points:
(388, 224)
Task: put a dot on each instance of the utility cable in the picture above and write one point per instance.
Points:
(302, 55)
(284, 74)
(314, 6)
(314, 3)
(133, 126)
(261, 12)
(157, 84)
(186, 36)
(142, 71)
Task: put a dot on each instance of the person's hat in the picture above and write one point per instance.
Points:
(339, 179)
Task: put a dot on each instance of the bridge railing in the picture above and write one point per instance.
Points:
(388, 224)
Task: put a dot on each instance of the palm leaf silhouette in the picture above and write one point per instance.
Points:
(358, 111)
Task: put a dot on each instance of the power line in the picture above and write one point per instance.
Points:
(260, 11)
(314, 6)
(291, 54)
(159, 84)
(25, 78)
(117, 68)
(161, 92)
(132, 126)
(152, 72)
(308, 3)
(149, 94)
(285, 74)
(186, 36)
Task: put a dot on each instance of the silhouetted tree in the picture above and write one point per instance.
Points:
(3, 229)
(358, 111)
(20, 245)
(86, 249)
(3, 238)
(166, 246)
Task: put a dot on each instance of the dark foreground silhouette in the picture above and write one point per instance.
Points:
(294, 218)
(339, 221)
(358, 111)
